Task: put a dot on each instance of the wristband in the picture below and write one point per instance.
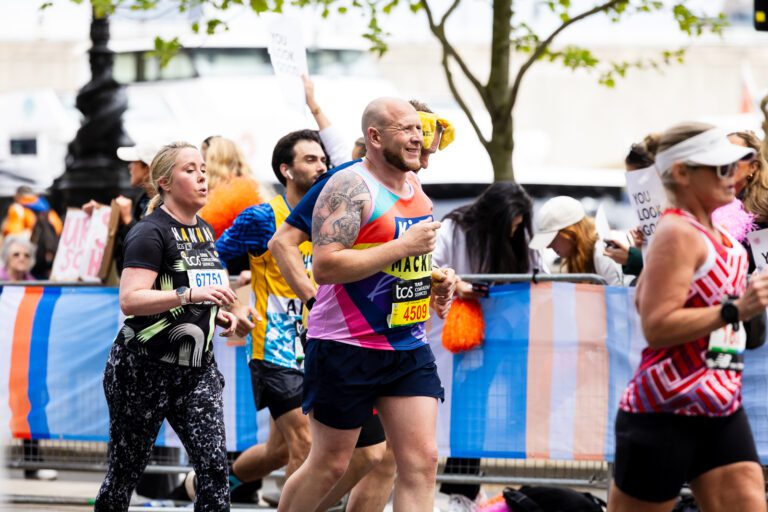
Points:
(310, 303)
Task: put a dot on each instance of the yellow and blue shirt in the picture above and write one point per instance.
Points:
(274, 338)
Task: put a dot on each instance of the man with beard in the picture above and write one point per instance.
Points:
(297, 160)
(373, 236)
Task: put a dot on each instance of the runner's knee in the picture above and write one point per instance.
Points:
(371, 456)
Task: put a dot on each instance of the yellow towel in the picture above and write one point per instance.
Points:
(429, 122)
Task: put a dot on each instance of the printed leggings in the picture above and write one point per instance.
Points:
(140, 394)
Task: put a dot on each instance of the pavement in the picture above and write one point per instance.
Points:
(74, 491)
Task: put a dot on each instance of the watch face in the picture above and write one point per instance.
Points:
(729, 312)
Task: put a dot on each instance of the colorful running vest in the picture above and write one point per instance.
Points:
(678, 379)
(273, 339)
(385, 311)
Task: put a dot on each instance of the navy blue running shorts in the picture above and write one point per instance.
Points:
(342, 382)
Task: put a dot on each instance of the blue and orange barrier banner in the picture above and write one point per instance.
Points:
(545, 384)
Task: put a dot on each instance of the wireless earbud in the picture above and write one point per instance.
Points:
(290, 176)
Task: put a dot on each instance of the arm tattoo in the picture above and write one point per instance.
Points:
(339, 210)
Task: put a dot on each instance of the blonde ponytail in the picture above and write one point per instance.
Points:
(161, 169)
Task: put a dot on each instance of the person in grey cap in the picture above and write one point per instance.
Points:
(139, 157)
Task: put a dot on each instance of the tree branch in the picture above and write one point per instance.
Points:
(460, 100)
(450, 10)
(542, 47)
(438, 30)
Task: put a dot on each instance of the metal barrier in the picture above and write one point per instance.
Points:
(88, 456)
(536, 277)
(91, 456)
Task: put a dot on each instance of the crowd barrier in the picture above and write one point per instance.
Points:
(545, 384)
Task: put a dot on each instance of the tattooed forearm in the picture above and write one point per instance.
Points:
(339, 210)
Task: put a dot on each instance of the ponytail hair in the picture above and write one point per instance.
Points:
(161, 169)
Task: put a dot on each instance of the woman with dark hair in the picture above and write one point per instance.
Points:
(488, 236)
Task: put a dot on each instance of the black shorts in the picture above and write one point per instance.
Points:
(275, 387)
(657, 453)
(372, 432)
(342, 382)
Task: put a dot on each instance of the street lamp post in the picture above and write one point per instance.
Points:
(92, 168)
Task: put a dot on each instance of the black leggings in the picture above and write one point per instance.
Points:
(140, 394)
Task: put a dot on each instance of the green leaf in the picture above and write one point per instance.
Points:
(259, 6)
(165, 50)
(212, 25)
(391, 5)
(45, 6)
(103, 8)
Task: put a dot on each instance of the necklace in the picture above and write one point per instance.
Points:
(164, 206)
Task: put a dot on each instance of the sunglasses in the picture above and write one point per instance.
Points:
(724, 171)
(20, 255)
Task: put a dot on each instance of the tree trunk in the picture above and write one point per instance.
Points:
(500, 145)
(500, 149)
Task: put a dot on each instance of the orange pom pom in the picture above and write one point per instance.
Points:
(464, 326)
(227, 200)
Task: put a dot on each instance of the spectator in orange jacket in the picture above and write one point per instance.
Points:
(31, 215)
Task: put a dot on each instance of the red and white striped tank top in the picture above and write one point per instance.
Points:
(676, 379)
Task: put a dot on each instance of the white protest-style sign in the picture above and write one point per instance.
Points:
(289, 59)
(95, 244)
(601, 223)
(758, 241)
(647, 196)
(71, 251)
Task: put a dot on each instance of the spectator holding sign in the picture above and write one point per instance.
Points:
(161, 365)
(133, 210)
(626, 251)
(681, 418)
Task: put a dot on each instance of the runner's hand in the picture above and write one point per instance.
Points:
(247, 317)
(216, 294)
(755, 298)
(243, 278)
(420, 238)
(228, 321)
(443, 287)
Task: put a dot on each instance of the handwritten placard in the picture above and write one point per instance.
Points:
(647, 196)
(289, 59)
(758, 241)
(71, 251)
(95, 244)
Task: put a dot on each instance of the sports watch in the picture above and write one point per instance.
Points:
(181, 293)
(729, 312)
